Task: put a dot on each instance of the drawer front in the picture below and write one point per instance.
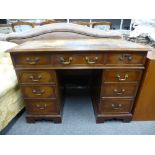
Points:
(39, 91)
(42, 107)
(44, 76)
(119, 90)
(78, 59)
(115, 106)
(31, 59)
(125, 59)
(122, 75)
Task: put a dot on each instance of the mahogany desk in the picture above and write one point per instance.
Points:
(117, 69)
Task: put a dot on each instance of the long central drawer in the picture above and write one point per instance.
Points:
(78, 59)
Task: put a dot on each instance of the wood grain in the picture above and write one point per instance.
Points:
(145, 105)
(70, 45)
(114, 64)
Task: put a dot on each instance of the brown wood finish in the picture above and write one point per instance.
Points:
(43, 101)
(122, 75)
(56, 118)
(85, 59)
(48, 22)
(116, 65)
(126, 59)
(31, 59)
(102, 23)
(78, 59)
(145, 104)
(38, 91)
(37, 77)
(41, 107)
(13, 25)
(80, 45)
(93, 24)
(118, 90)
(110, 106)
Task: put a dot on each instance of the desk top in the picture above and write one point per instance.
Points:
(69, 45)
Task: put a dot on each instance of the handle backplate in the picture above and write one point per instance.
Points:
(35, 78)
(41, 107)
(38, 92)
(116, 106)
(91, 60)
(65, 61)
(119, 92)
(32, 61)
(127, 57)
(122, 79)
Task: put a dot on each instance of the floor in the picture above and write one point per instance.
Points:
(78, 119)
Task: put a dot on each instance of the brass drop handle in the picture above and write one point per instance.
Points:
(66, 62)
(89, 61)
(122, 79)
(32, 61)
(126, 56)
(38, 92)
(119, 92)
(116, 106)
(35, 79)
(40, 107)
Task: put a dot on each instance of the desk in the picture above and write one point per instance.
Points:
(117, 69)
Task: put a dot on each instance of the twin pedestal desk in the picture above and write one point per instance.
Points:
(116, 66)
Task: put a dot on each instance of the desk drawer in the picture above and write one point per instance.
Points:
(119, 90)
(125, 59)
(31, 59)
(115, 106)
(39, 91)
(78, 59)
(121, 75)
(42, 107)
(41, 76)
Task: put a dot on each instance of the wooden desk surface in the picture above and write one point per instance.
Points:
(79, 45)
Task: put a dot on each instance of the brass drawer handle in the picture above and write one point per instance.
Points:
(89, 61)
(122, 79)
(35, 79)
(126, 56)
(119, 92)
(40, 107)
(32, 61)
(66, 62)
(116, 106)
(38, 92)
